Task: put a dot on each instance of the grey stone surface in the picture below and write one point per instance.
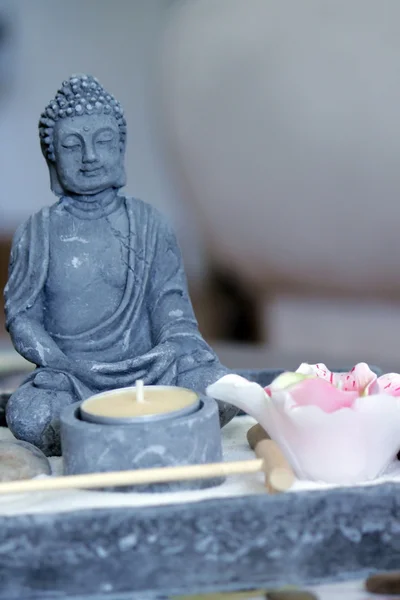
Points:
(218, 544)
(97, 295)
(190, 439)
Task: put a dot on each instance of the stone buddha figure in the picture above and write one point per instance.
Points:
(96, 296)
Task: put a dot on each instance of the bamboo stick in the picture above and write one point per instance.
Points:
(128, 478)
(279, 476)
(384, 583)
(255, 434)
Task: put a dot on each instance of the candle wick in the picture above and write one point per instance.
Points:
(139, 391)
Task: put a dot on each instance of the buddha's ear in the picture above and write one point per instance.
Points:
(121, 179)
(55, 184)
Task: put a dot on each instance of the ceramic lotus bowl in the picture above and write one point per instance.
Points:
(333, 428)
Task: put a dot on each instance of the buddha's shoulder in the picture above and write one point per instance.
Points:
(40, 216)
(145, 210)
(36, 222)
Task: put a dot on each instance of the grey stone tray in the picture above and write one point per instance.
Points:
(235, 543)
(221, 544)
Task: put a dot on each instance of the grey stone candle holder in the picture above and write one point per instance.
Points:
(194, 438)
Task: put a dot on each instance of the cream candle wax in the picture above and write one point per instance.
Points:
(139, 403)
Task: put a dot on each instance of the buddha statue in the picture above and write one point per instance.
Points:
(97, 296)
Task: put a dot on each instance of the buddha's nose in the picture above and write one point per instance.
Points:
(89, 155)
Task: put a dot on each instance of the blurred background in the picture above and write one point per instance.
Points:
(267, 131)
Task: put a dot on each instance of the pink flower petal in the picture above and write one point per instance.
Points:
(389, 384)
(321, 393)
(360, 379)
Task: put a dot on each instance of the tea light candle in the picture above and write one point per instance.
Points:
(139, 404)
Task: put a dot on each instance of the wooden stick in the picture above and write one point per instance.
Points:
(255, 434)
(138, 477)
(270, 460)
(384, 583)
(278, 472)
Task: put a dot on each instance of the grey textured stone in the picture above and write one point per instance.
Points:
(190, 439)
(97, 295)
(253, 541)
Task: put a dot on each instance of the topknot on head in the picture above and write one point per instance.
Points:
(79, 95)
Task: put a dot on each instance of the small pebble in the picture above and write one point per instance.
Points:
(282, 594)
(21, 460)
(291, 595)
(223, 596)
(384, 583)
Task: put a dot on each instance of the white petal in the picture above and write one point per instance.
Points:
(240, 392)
(306, 369)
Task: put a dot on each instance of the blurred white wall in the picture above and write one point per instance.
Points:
(285, 119)
(117, 41)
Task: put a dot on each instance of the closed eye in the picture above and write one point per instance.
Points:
(105, 137)
(71, 142)
(72, 146)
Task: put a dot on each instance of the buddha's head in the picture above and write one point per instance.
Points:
(83, 135)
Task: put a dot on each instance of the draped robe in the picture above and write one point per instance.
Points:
(155, 306)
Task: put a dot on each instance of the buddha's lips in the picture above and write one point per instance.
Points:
(92, 172)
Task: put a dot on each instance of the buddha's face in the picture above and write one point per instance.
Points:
(88, 159)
